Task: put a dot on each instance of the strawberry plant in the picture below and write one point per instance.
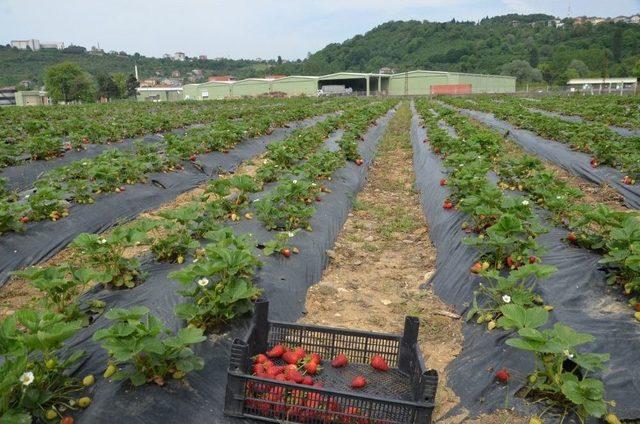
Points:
(145, 350)
(34, 375)
(517, 288)
(105, 254)
(280, 244)
(219, 286)
(174, 243)
(562, 372)
(60, 286)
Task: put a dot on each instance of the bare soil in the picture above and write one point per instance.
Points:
(381, 258)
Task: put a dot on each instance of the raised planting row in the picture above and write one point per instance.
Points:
(217, 286)
(83, 180)
(614, 234)
(504, 230)
(621, 111)
(604, 145)
(46, 132)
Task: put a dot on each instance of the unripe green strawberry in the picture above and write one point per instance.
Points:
(88, 380)
(111, 369)
(83, 402)
(50, 364)
(51, 414)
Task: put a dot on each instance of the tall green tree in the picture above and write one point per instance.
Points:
(534, 57)
(616, 44)
(66, 81)
(131, 85)
(107, 87)
(522, 71)
(120, 78)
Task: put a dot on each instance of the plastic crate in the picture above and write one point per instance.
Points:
(404, 394)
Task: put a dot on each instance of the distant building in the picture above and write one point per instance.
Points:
(96, 51)
(179, 56)
(35, 45)
(7, 96)
(600, 84)
(149, 82)
(635, 19)
(32, 98)
(55, 45)
(166, 56)
(175, 74)
(170, 82)
(32, 44)
(197, 72)
(26, 83)
(386, 70)
(221, 78)
(202, 57)
(274, 77)
(515, 23)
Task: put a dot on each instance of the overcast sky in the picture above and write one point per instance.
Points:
(250, 28)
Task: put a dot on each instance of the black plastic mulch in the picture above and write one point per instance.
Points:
(43, 239)
(285, 283)
(577, 163)
(578, 291)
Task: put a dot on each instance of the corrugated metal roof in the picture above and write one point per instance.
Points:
(579, 81)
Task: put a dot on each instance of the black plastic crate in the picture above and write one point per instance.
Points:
(405, 394)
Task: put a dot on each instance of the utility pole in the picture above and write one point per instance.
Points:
(406, 81)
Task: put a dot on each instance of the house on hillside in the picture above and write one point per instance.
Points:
(635, 19)
(202, 57)
(175, 74)
(179, 56)
(221, 78)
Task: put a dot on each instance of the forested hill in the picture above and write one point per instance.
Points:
(525, 46)
(485, 47)
(17, 65)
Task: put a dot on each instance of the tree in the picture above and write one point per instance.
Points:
(279, 60)
(120, 79)
(533, 57)
(616, 44)
(578, 69)
(131, 85)
(636, 69)
(107, 87)
(522, 71)
(66, 81)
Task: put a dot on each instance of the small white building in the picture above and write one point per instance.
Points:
(600, 84)
(179, 56)
(35, 45)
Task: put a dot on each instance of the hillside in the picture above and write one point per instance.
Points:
(18, 65)
(483, 47)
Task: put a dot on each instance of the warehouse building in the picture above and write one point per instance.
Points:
(413, 83)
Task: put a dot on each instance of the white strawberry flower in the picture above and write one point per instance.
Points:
(525, 203)
(102, 241)
(203, 282)
(26, 378)
(295, 181)
(506, 298)
(290, 234)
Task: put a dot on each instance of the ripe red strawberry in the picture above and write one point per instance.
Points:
(339, 361)
(358, 382)
(637, 306)
(443, 182)
(192, 158)
(260, 358)
(272, 372)
(436, 150)
(533, 259)
(295, 376)
(286, 252)
(281, 377)
(379, 363)
(290, 357)
(572, 237)
(308, 380)
(300, 353)
(476, 268)
(85, 140)
(316, 358)
(447, 204)
(24, 219)
(258, 369)
(509, 261)
(502, 375)
(276, 351)
(359, 161)
(628, 180)
(593, 162)
(311, 367)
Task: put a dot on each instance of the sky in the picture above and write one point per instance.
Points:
(250, 28)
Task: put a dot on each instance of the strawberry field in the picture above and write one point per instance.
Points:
(139, 242)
